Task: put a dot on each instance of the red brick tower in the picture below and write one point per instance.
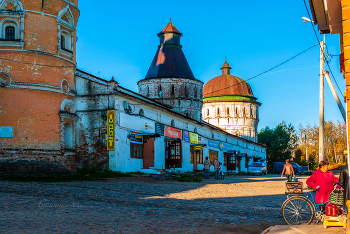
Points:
(37, 66)
(170, 80)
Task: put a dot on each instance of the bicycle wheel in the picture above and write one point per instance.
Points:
(298, 210)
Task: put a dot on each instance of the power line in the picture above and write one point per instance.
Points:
(313, 27)
(35, 64)
(267, 70)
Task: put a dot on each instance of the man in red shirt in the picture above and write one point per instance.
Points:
(288, 170)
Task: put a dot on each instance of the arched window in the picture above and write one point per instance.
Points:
(218, 121)
(228, 120)
(212, 135)
(63, 42)
(140, 91)
(195, 130)
(243, 111)
(172, 123)
(187, 115)
(68, 136)
(236, 111)
(147, 91)
(141, 113)
(208, 112)
(10, 33)
(186, 92)
(228, 110)
(226, 140)
(172, 90)
(195, 92)
(218, 111)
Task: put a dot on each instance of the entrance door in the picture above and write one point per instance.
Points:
(238, 159)
(148, 152)
(174, 154)
(231, 162)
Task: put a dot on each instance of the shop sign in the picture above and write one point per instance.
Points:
(186, 136)
(227, 146)
(136, 138)
(6, 131)
(173, 132)
(160, 128)
(198, 147)
(199, 140)
(221, 146)
(137, 123)
(110, 130)
(214, 144)
(193, 138)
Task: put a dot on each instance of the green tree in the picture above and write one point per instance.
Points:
(280, 142)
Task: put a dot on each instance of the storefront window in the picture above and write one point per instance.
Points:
(135, 150)
(212, 156)
(196, 155)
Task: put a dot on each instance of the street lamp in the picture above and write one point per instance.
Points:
(306, 20)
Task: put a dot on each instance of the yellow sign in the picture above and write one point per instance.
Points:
(193, 138)
(110, 130)
(198, 147)
(345, 151)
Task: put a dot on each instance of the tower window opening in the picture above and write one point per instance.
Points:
(10, 33)
(218, 111)
(172, 90)
(160, 90)
(228, 120)
(243, 111)
(63, 42)
(236, 111)
(187, 115)
(218, 121)
(186, 93)
(207, 112)
(228, 110)
(195, 92)
(147, 91)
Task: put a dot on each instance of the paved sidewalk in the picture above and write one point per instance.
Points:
(303, 229)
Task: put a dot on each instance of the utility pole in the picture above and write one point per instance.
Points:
(307, 158)
(321, 127)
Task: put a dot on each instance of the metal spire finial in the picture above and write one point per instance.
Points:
(225, 60)
(170, 18)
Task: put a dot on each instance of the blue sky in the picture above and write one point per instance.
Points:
(119, 38)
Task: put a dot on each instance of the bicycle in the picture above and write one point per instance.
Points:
(299, 209)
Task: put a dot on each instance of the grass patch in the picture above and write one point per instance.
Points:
(81, 175)
(189, 178)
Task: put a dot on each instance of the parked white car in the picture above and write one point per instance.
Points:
(257, 168)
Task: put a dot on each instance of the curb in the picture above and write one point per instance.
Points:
(267, 230)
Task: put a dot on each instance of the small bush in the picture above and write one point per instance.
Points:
(189, 178)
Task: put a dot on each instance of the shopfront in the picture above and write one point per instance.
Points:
(196, 148)
(173, 149)
(142, 135)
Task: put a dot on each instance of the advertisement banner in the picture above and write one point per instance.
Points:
(136, 138)
(193, 138)
(160, 128)
(137, 123)
(186, 136)
(227, 146)
(214, 144)
(173, 132)
(110, 130)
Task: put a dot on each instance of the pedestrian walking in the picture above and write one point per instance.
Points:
(344, 183)
(288, 170)
(207, 165)
(216, 168)
(323, 181)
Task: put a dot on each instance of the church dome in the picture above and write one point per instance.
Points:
(227, 85)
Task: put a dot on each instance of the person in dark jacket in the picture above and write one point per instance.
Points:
(344, 183)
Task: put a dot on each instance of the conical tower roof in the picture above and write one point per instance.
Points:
(169, 60)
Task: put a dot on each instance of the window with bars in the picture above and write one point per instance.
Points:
(10, 33)
(135, 150)
(212, 156)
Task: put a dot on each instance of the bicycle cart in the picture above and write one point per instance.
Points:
(299, 209)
